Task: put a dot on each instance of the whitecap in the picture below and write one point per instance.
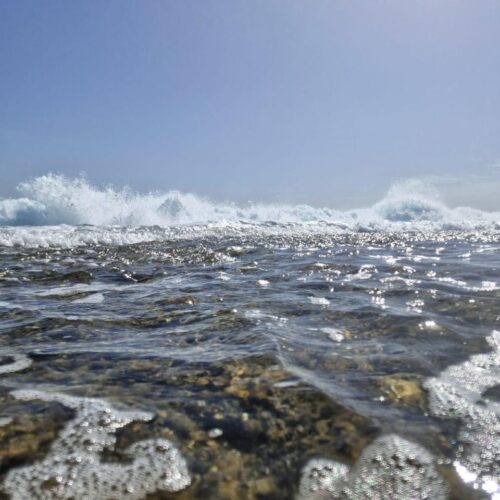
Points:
(73, 212)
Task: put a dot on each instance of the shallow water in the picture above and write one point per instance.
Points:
(253, 349)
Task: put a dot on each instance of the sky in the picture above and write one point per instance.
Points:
(320, 102)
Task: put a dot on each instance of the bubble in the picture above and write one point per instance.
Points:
(458, 393)
(73, 468)
(391, 467)
(322, 479)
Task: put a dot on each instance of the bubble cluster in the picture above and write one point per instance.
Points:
(391, 467)
(19, 362)
(460, 392)
(73, 467)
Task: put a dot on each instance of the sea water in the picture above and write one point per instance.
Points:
(162, 342)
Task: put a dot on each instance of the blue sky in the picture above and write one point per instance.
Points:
(324, 102)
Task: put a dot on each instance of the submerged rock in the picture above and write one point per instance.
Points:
(266, 425)
(264, 428)
(399, 389)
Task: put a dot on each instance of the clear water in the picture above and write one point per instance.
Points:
(255, 348)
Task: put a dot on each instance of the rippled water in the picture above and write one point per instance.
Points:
(254, 350)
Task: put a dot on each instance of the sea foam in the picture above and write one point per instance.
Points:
(19, 362)
(391, 467)
(73, 467)
(461, 391)
(55, 200)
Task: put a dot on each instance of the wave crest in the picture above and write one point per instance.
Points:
(55, 199)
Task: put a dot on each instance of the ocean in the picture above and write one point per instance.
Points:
(165, 346)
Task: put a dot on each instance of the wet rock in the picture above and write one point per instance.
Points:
(401, 389)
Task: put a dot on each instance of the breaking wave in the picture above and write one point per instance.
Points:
(55, 200)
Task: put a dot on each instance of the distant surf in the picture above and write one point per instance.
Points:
(56, 200)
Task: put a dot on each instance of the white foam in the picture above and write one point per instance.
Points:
(54, 200)
(489, 285)
(453, 282)
(20, 362)
(365, 272)
(65, 236)
(76, 288)
(72, 467)
(391, 467)
(95, 298)
(319, 301)
(486, 286)
(258, 315)
(9, 305)
(333, 333)
(63, 291)
(457, 393)
(429, 324)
